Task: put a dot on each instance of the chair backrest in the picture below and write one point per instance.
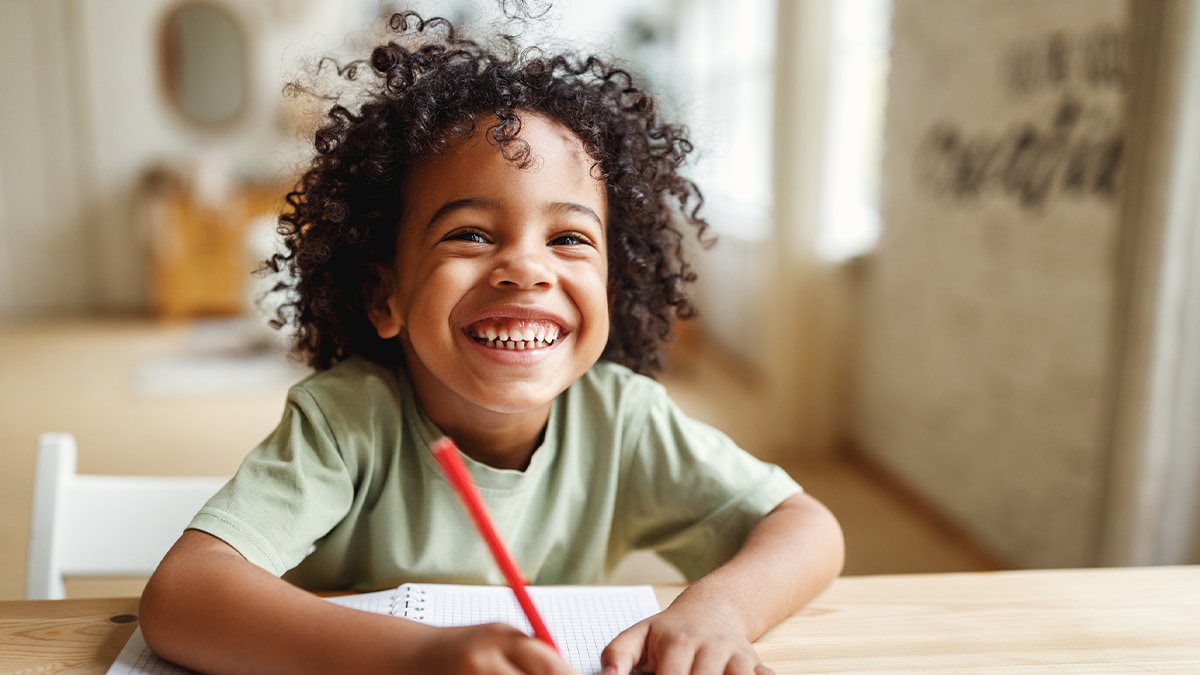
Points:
(99, 525)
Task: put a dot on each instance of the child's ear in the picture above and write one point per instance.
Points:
(382, 307)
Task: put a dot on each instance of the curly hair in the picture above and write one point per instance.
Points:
(431, 87)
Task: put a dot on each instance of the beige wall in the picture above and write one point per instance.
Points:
(42, 261)
(985, 353)
(84, 117)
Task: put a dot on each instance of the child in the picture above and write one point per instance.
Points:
(486, 248)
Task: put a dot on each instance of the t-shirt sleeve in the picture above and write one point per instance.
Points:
(692, 495)
(289, 491)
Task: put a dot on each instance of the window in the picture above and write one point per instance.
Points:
(726, 93)
(857, 100)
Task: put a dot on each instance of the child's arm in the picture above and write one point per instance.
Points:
(789, 557)
(208, 608)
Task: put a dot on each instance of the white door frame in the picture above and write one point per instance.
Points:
(1152, 506)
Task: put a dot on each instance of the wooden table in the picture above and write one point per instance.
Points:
(1101, 620)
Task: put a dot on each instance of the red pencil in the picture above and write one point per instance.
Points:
(446, 454)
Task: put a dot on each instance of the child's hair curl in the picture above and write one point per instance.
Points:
(340, 222)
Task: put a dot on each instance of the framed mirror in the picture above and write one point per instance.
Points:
(203, 63)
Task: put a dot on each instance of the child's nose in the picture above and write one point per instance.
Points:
(523, 265)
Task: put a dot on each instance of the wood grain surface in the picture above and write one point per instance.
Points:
(1080, 621)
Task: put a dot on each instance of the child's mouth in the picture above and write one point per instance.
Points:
(517, 335)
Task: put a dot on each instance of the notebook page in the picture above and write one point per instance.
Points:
(137, 659)
(377, 602)
(582, 619)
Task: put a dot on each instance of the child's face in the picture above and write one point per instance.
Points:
(499, 296)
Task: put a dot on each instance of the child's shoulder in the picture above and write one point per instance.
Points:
(611, 371)
(355, 375)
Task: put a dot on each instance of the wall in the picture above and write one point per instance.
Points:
(985, 349)
(42, 253)
(84, 118)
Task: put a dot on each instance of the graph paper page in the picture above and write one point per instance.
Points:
(582, 619)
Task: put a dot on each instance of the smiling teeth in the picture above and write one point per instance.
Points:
(516, 339)
(517, 345)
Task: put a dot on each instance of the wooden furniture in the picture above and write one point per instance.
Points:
(1098, 620)
(202, 251)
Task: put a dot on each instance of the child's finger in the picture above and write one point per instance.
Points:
(625, 651)
(720, 662)
(676, 659)
(535, 656)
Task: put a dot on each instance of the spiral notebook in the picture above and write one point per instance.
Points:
(582, 619)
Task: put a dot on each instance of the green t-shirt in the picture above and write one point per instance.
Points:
(345, 494)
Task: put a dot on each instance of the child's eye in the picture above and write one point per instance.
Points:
(570, 239)
(468, 235)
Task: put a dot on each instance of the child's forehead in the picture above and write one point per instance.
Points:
(541, 161)
(497, 129)
(524, 139)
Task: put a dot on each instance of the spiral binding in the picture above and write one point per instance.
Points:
(409, 602)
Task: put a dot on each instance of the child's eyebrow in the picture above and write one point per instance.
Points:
(572, 207)
(485, 203)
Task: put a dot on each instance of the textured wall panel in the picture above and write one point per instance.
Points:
(984, 361)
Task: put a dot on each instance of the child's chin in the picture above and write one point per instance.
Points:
(520, 399)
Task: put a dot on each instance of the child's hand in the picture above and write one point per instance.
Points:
(488, 648)
(675, 642)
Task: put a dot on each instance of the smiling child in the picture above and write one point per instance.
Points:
(488, 246)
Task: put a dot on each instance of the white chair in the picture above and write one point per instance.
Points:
(99, 525)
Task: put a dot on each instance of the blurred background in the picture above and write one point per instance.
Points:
(953, 293)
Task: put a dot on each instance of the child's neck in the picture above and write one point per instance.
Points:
(504, 440)
(500, 440)
(514, 453)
